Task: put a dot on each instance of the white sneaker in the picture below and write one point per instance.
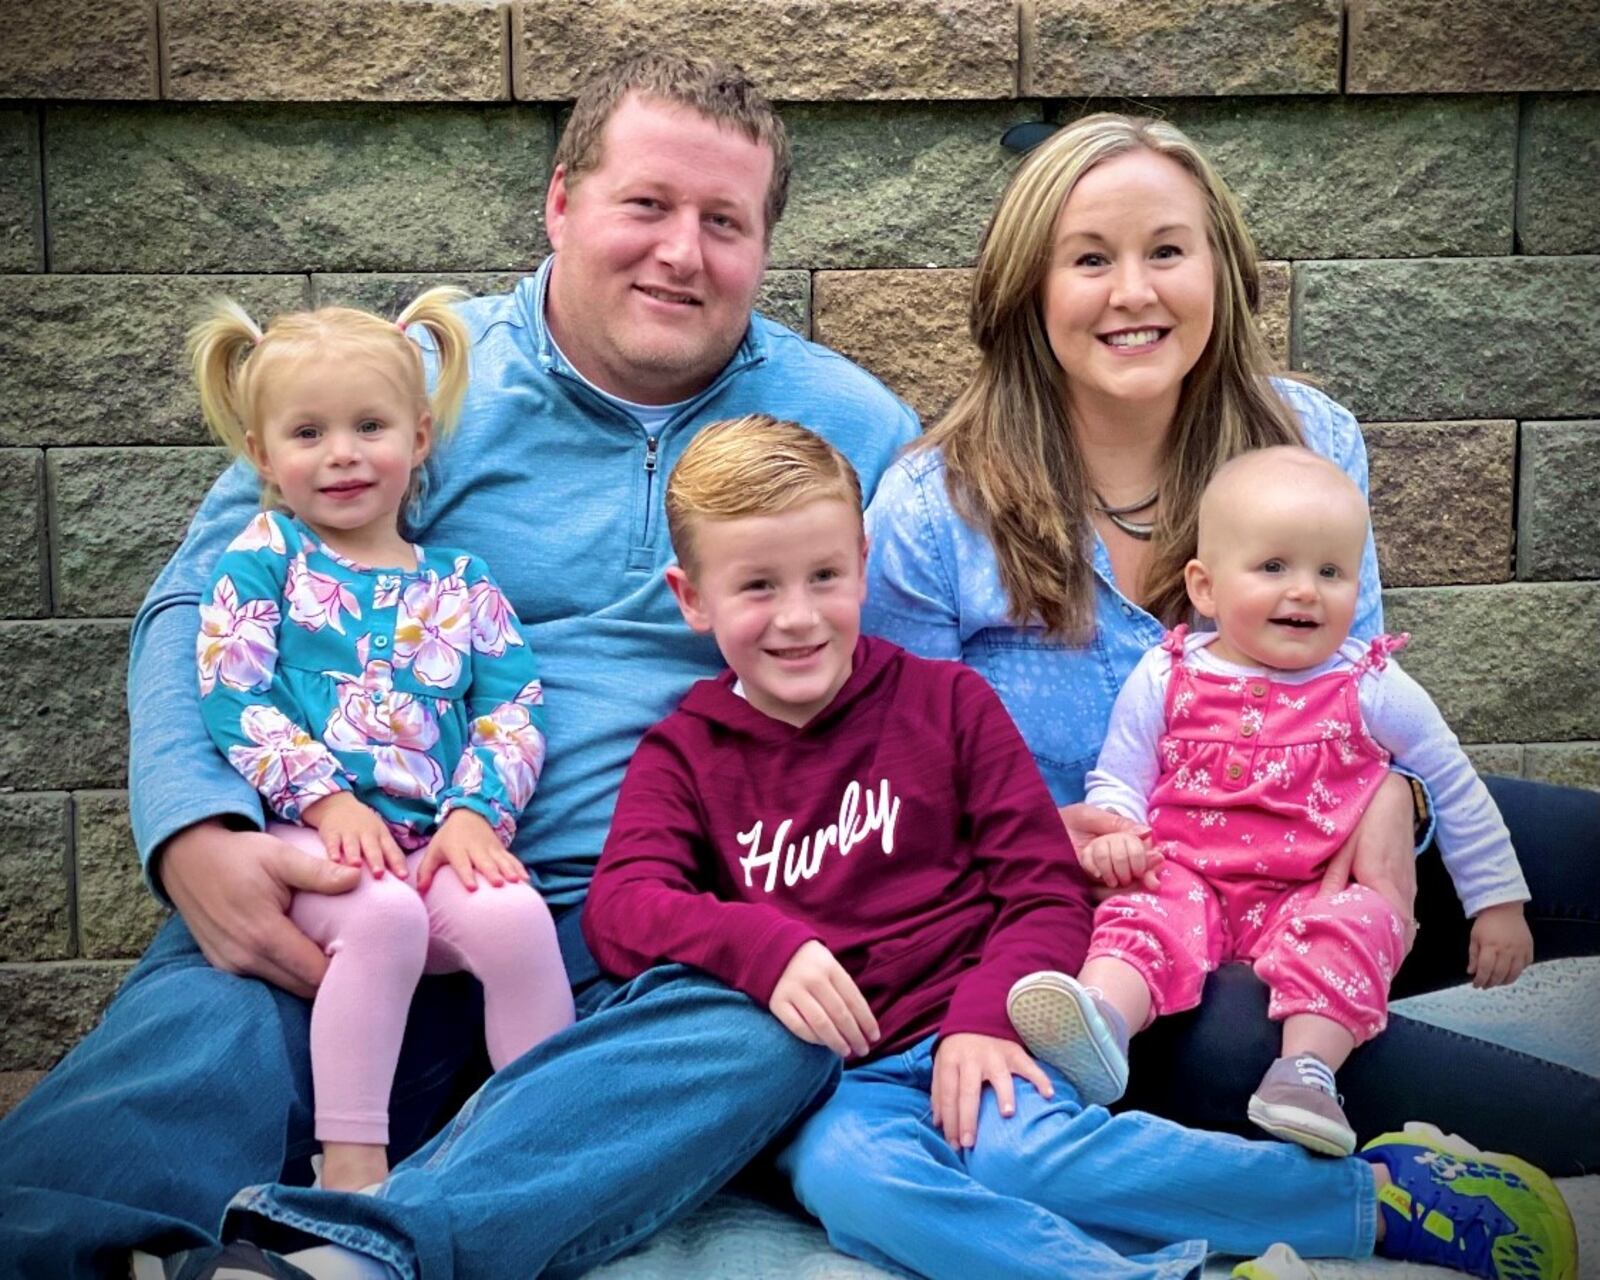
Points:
(1067, 1025)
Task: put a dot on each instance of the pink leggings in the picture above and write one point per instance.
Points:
(381, 937)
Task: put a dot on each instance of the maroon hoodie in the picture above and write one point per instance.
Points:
(906, 826)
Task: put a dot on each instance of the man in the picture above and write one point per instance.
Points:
(588, 381)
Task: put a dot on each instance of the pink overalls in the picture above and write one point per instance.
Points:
(1261, 784)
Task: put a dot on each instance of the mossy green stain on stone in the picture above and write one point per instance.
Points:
(296, 188)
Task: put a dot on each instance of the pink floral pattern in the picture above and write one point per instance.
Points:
(316, 600)
(284, 763)
(513, 743)
(238, 642)
(433, 633)
(494, 627)
(396, 729)
(261, 534)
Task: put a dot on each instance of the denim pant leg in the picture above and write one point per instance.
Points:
(888, 1188)
(1136, 1181)
(580, 1149)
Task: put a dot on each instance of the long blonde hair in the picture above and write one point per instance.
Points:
(233, 359)
(1012, 458)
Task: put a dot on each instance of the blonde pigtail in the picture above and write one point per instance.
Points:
(218, 347)
(435, 311)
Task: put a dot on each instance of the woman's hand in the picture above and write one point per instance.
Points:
(1501, 946)
(1379, 853)
(964, 1063)
(469, 845)
(354, 834)
(820, 1002)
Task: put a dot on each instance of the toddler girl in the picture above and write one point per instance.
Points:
(1251, 753)
(376, 692)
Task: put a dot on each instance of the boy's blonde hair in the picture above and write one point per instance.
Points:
(234, 359)
(756, 465)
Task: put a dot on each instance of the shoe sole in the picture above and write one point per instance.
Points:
(1057, 1020)
(1540, 1181)
(1295, 1124)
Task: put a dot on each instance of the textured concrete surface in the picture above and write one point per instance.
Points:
(1471, 46)
(79, 49)
(1558, 516)
(49, 1008)
(1445, 338)
(99, 360)
(1558, 175)
(805, 50)
(35, 915)
(63, 718)
(354, 50)
(1362, 177)
(117, 515)
(1442, 500)
(117, 914)
(21, 233)
(1500, 660)
(308, 188)
(895, 186)
(22, 579)
(1086, 48)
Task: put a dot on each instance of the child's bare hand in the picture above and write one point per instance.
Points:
(468, 845)
(819, 1002)
(354, 834)
(1121, 859)
(1501, 946)
(964, 1063)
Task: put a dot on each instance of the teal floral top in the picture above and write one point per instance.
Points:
(414, 690)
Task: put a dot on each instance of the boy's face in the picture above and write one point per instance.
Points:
(782, 595)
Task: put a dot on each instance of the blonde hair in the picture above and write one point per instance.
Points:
(719, 91)
(756, 465)
(234, 359)
(1012, 459)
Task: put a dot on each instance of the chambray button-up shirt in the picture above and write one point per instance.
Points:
(933, 587)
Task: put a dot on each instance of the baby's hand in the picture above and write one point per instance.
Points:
(354, 834)
(1501, 946)
(468, 844)
(1122, 858)
(819, 1002)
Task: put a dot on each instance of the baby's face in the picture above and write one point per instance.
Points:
(1284, 570)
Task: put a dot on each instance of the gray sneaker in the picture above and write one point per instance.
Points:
(1072, 1028)
(1296, 1101)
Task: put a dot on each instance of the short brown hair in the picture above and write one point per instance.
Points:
(756, 465)
(719, 91)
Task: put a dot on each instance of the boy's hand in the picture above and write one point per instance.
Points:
(1121, 859)
(963, 1064)
(467, 843)
(819, 1002)
(354, 834)
(1501, 946)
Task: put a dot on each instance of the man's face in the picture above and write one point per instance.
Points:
(660, 250)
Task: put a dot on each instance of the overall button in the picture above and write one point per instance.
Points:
(1247, 731)
(1235, 770)
(380, 642)
(1258, 690)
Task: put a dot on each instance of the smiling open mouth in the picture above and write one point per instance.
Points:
(1298, 624)
(804, 651)
(1128, 338)
(668, 295)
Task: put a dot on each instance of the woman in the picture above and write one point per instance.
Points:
(1039, 533)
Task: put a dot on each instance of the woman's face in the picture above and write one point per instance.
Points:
(1128, 301)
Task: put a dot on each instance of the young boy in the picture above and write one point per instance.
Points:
(859, 840)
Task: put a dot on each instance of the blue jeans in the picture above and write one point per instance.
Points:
(1058, 1189)
(198, 1084)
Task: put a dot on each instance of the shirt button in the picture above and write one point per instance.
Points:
(377, 695)
(1235, 769)
(380, 642)
(1258, 690)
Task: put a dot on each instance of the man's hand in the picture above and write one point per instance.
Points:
(964, 1063)
(232, 889)
(819, 1002)
(1501, 946)
(354, 833)
(1120, 859)
(468, 845)
(1379, 853)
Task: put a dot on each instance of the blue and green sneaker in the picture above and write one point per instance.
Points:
(1489, 1215)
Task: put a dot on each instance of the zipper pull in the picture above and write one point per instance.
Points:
(651, 444)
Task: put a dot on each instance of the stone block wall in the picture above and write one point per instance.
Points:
(1423, 178)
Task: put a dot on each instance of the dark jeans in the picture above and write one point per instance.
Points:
(1201, 1067)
